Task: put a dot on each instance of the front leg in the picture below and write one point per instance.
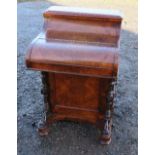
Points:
(106, 133)
(43, 124)
(107, 124)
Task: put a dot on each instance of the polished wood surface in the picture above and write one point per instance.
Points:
(77, 53)
(88, 44)
(76, 96)
(70, 57)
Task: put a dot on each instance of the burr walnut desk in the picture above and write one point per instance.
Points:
(77, 54)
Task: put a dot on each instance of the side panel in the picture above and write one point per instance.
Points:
(77, 97)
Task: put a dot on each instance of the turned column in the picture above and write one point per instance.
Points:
(43, 124)
(107, 122)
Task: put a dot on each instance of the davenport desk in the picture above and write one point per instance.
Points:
(77, 54)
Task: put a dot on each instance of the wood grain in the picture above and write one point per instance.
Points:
(77, 53)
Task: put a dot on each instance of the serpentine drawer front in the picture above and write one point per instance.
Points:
(77, 54)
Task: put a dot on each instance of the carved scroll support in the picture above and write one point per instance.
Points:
(43, 124)
(107, 123)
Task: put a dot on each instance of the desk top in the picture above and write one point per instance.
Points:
(87, 39)
(82, 12)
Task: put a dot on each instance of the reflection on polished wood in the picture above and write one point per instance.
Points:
(77, 54)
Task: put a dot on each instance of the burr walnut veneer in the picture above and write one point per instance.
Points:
(77, 54)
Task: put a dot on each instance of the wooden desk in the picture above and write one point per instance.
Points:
(77, 54)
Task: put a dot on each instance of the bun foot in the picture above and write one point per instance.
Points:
(43, 129)
(105, 141)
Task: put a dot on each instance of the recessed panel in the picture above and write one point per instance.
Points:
(77, 91)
